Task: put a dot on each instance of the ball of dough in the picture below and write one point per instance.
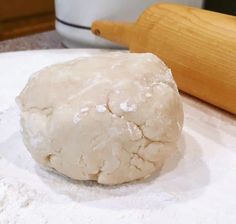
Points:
(111, 118)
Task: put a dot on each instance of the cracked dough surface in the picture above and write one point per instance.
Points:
(112, 118)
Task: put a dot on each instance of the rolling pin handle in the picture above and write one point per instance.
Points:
(119, 32)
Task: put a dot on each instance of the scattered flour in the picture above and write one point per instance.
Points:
(126, 107)
(76, 118)
(84, 109)
(101, 108)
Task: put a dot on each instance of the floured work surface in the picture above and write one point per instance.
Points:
(196, 185)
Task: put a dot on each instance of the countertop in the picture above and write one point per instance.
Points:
(196, 184)
(45, 40)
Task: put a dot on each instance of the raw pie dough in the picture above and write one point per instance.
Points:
(112, 118)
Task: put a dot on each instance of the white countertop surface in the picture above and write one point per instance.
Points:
(197, 184)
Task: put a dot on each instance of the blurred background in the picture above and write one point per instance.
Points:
(23, 17)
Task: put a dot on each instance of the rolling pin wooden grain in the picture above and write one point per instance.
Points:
(198, 45)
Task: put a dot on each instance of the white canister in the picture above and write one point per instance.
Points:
(75, 17)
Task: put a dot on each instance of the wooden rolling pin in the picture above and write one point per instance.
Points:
(198, 45)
